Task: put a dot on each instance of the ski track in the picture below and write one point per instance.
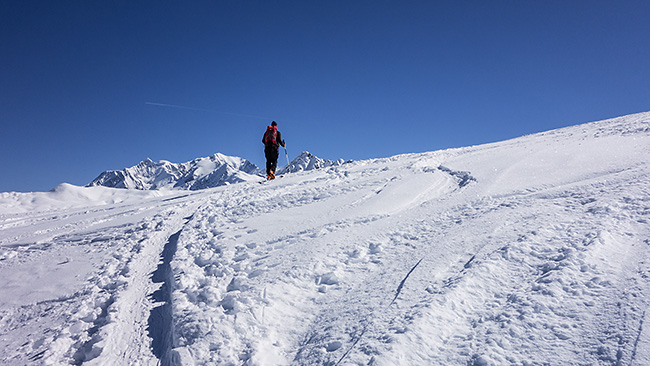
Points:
(397, 261)
(100, 314)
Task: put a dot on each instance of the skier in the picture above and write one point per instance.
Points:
(272, 141)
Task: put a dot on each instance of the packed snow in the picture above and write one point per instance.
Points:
(531, 251)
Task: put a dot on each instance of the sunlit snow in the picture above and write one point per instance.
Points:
(531, 251)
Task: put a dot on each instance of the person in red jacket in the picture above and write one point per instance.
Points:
(272, 141)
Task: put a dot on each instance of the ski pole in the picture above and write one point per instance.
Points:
(286, 154)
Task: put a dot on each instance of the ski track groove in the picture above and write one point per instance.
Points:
(638, 337)
(401, 284)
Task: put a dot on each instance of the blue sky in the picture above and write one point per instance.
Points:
(82, 82)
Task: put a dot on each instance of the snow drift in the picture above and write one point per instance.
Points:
(531, 251)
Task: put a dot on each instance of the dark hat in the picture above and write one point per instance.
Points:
(274, 123)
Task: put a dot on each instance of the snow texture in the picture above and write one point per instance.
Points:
(531, 251)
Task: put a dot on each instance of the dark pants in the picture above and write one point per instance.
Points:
(271, 153)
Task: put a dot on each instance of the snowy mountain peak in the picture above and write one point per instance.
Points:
(200, 173)
(308, 161)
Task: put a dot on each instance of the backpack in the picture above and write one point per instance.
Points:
(270, 135)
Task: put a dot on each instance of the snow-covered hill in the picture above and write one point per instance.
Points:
(531, 251)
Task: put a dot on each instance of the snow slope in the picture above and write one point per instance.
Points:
(531, 251)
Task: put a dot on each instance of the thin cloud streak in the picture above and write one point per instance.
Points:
(204, 110)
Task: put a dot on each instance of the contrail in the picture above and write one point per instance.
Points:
(204, 110)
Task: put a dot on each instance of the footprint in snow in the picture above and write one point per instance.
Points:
(374, 248)
(333, 346)
(327, 279)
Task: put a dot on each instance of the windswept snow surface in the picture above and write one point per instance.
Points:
(531, 251)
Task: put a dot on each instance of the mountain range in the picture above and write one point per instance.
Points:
(201, 173)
